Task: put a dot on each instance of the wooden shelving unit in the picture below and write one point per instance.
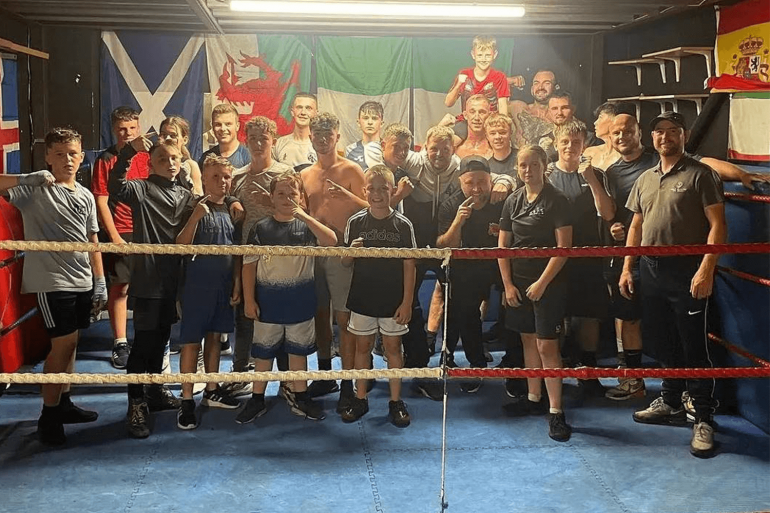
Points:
(663, 100)
(675, 55)
(637, 63)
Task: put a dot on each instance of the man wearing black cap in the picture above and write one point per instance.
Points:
(468, 219)
(680, 201)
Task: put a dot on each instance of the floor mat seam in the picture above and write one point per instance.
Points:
(601, 481)
(141, 478)
(370, 469)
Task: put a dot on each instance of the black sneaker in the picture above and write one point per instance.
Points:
(431, 340)
(185, 418)
(516, 388)
(357, 409)
(309, 409)
(238, 389)
(558, 429)
(160, 398)
(524, 407)
(50, 430)
(471, 386)
(69, 413)
(591, 388)
(251, 411)
(398, 414)
(218, 398)
(345, 400)
(225, 348)
(136, 419)
(431, 389)
(119, 357)
(321, 388)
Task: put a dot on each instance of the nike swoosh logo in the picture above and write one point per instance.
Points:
(694, 313)
(584, 185)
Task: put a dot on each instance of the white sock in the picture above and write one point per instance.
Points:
(120, 341)
(534, 398)
(555, 410)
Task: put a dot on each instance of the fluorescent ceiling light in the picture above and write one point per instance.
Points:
(392, 9)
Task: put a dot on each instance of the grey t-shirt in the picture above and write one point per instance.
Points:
(292, 152)
(56, 213)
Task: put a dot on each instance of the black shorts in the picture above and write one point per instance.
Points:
(65, 312)
(588, 295)
(154, 314)
(544, 317)
(116, 265)
(620, 307)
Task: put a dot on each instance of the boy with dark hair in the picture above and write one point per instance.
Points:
(390, 310)
(69, 285)
(279, 294)
(115, 219)
(225, 125)
(367, 152)
(210, 288)
(296, 149)
(160, 208)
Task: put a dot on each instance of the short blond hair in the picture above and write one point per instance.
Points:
(496, 119)
(222, 109)
(217, 160)
(481, 42)
(383, 171)
(263, 124)
(574, 127)
(439, 133)
(398, 130)
(294, 179)
(477, 98)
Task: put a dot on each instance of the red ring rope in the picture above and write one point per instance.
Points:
(745, 276)
(739, 350)
(759, 198)
(596, 372)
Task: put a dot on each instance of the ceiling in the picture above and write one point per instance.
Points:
(548, 17)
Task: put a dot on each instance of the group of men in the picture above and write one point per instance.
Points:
(299, 190)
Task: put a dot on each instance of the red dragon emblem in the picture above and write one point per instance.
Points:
(264, 95)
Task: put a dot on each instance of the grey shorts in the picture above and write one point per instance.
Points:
(332, 282)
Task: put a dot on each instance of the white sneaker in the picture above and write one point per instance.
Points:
(702, 444)
(628, 388)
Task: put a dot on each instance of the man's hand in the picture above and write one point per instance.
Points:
(702, 284)
(201, 209)
(336, 191)
(99, 298)
(448, 120)
(298, 212)
(747, 178)
(405, 187)
(585, 169)
(512, 295)
(626, 284)
(464, 211)
(618, 232)
(403, 313)
(37, 179)
(141, 143)
(500, 191)
(237, 213)
(236, 296)
(117, 240)
(251, 310)
(536, 290)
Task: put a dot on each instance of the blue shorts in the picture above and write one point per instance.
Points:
(205, 311)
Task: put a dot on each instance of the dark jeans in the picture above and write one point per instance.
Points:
(146, 355)
(675, 323)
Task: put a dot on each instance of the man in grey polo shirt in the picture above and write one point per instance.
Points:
(680, 201)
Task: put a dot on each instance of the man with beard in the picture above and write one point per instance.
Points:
(534, 119)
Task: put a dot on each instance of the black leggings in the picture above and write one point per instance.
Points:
(146, 356)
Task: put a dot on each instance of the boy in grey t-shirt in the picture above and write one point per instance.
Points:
(54, 207)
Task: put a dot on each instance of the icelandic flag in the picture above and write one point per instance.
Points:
(10, 156)
(159, 75)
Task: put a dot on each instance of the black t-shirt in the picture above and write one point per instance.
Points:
(533, 225)
(377, 288)
(507, 166)
(587, 225)
(621, 177)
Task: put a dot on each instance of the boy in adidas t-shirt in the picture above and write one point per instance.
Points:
(390, 309)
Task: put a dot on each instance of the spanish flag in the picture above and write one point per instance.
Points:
(742, 47)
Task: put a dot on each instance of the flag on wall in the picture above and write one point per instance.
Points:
(10, 156)
(353, 70)
(259, 75)
(437, 61)
(158, 74)
(749, 134)
(743, 47)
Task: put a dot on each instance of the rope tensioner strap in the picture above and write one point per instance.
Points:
(758, 198)
(745, 276)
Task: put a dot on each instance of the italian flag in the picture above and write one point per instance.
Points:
(353, 70)
(749, 135)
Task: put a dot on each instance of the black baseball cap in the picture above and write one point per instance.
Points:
(474, 163)
(669, 115)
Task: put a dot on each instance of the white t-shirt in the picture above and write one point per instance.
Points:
(287, 150)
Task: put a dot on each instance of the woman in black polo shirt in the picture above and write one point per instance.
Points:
(537, 215)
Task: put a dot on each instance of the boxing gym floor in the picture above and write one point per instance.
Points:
(282, 463)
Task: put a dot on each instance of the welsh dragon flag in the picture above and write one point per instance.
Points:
(353, 70)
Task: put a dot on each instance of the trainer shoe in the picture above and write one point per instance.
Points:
(357, 409)
(69, 413)
(237, 389)
(558, 429)
(224, 346)
(285, 392)
(160, 398)
(628, 388)
(217, 398)
(320, 388)
(702, 443)
(515, 388)
(185, 417)
(661, 413)
(309, 409)
(471, 386)
(119, 357)
(346, 399)
(431, 389)
(254, 408)
(136, 419)
(50, 430)
(398, 414)
(523, 407)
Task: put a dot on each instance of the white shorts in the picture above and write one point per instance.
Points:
(269, 339)
(332, 282)
(365, 325)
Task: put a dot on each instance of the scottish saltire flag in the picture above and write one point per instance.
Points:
(160, 75)
(353, 70)
(10, 157)
(258, 75)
